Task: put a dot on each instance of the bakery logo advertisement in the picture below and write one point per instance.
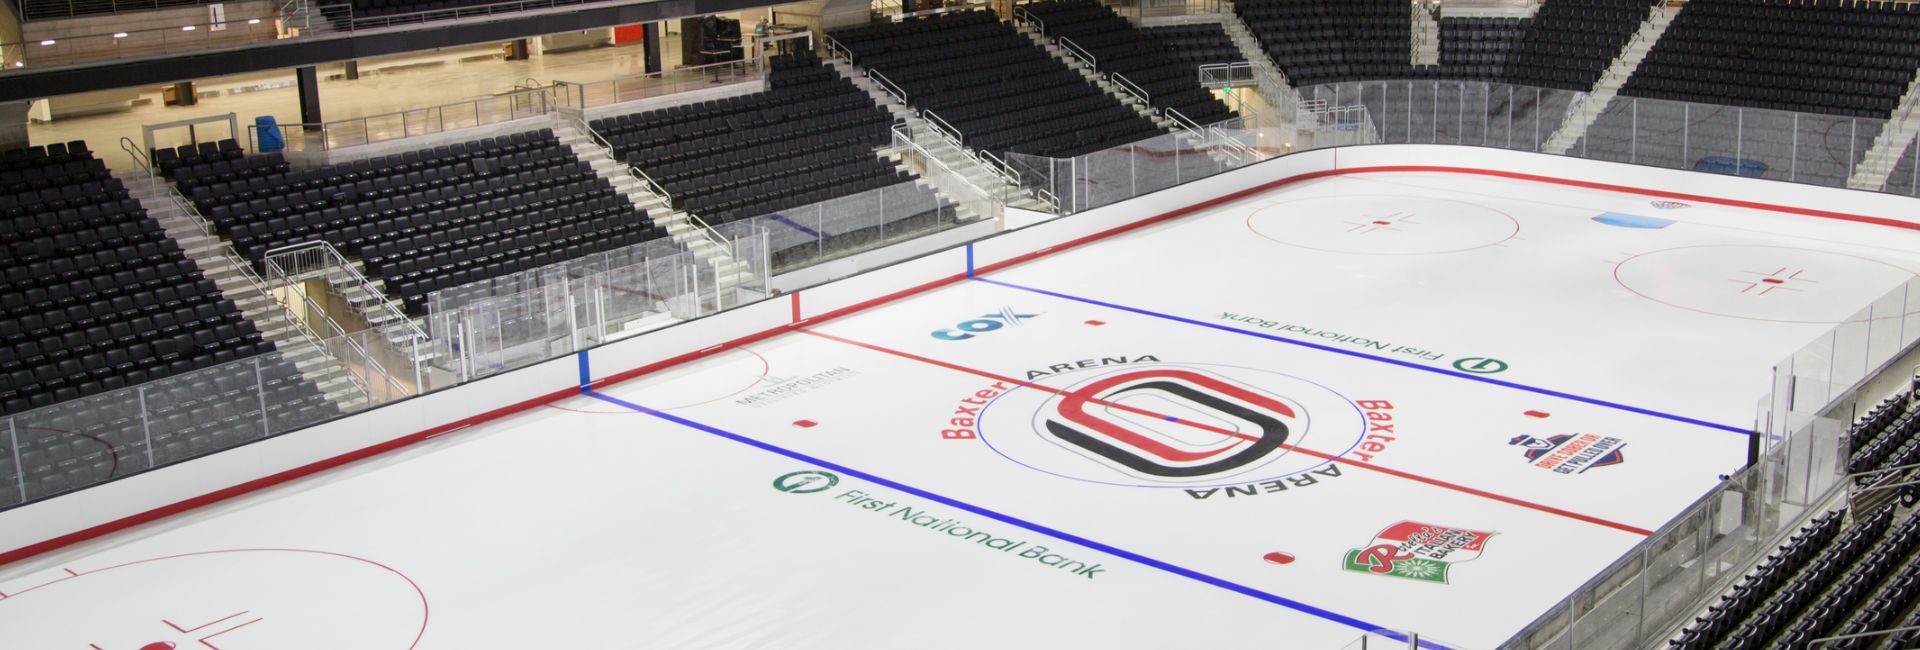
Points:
(1417, 551)
(1671, 205)
(1572, 453)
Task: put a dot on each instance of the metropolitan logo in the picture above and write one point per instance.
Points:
(1417, 551)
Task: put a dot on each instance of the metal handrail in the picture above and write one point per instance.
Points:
(742, 69)
(133, 151)
(354, 23)
(1021, 14)
(997, 166)
(881, 80)
(836, 48)
(336, 260)
(1131, 88)
(283, 278)
(1188, 123)
(319, 341)
(171, 39)
(904, 132)
(1080, 52)
(945, 129)
(1211, 73)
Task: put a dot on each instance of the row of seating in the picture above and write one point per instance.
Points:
(1478, 48)
(1316, 41)
(1119, 48)
(1569, 43)
(993, 85)
(1824, 56)
(95, 295)
(1770, 598)
(489, 206)
(1195, 45)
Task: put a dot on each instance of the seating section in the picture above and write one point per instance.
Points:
(1569, 43)
(1325, 41)
(422, 220)
(1118, 48)
(996, 87)
(51, 9)
(1195, 45)
(1478, 48)
(1823, 56)
(95, 296)
(1831, 579)
(810, 137)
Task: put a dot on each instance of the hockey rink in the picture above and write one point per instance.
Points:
(1404, 401)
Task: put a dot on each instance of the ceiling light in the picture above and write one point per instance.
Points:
(47, 42)
(253, 21)
(119, 34)
(188, 28)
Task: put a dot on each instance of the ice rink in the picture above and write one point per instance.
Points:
(1430, 402)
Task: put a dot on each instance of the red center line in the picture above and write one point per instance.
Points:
(1317, 454)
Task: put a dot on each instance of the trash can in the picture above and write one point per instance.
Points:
(267, 133)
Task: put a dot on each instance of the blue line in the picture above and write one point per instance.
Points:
(1362, 355)
(1038, 528)
(804, 229)
(586, 375)
(969, 259)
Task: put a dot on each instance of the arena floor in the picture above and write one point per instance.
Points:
(1394, 401)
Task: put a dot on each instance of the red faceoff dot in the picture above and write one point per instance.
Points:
(1537, 414)
(1384, 223)
(158, 645)
(1096, 323)
(1278, 557)
(804, 424)
(1773, 280)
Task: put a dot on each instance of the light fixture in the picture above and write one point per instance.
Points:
(253, 21)
(119, 34)
(47, 42)
(188, 28)
(19, 64)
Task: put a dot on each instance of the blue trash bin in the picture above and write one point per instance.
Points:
(267, 132)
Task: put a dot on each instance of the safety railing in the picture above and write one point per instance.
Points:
(945, 130)
(1802, 425)
(1181, 119)
(1115, 174)
(655, 84)
(812, 234)
(1078, 52)
(291, 268)
(835, 49)
(397, 125)
(1226, 75)
(1131, 88)
(82, 48)
(344, 17)
(899, 94)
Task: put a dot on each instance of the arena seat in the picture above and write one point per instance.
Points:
(996, 87)
(1117, 47)
(422, 220)
(1194, 45)
(1837, 58)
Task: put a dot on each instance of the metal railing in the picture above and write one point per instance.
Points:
(42, 10)
(288, 270)
(102, 46)
(945, 130)
(1132, 88)
(1227, 75)
(899, 94)
(397, 125)
(1185, 122)
(1078, 52)
(655, 84)
(836, 49)
(343, 17)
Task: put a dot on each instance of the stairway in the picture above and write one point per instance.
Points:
(1890, 145)
(679, 224)
(1582, 114)
(925, 138)
(1111, 88)
(1426, 37)
(1274, 86)
(237, 283)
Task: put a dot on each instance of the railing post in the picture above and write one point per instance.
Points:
(146, 424)
(20, 471)
(260, 388)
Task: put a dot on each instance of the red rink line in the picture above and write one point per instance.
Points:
(1317, 454)
(223, 494)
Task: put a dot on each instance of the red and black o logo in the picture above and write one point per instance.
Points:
(1170, 424)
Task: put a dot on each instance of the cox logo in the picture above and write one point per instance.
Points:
(985, 323)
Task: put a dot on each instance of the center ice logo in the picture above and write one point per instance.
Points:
(1417, 551)
(1093, 421)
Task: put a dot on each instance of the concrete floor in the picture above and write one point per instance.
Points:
(385, 85)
